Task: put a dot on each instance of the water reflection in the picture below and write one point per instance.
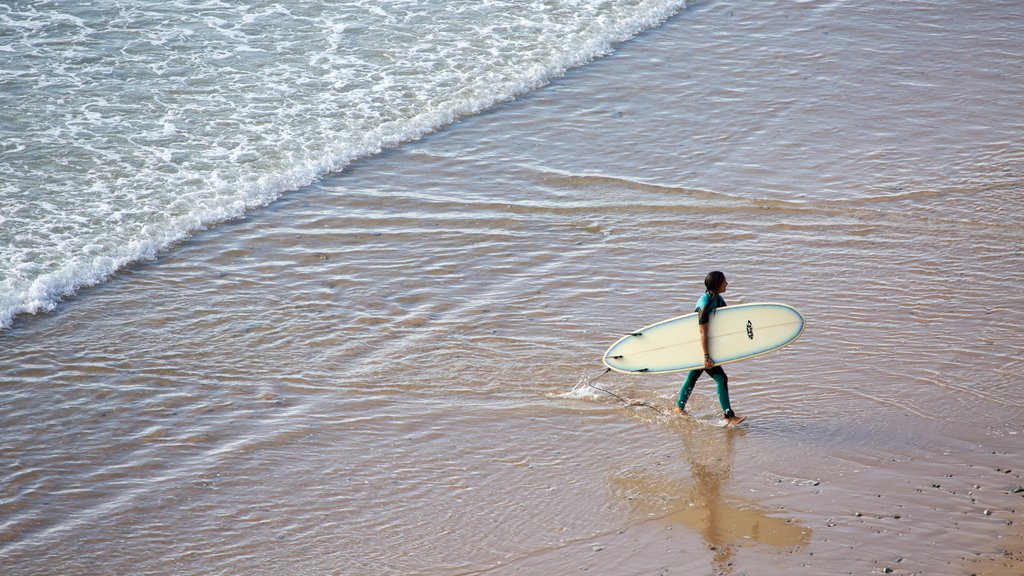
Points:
(724, 522)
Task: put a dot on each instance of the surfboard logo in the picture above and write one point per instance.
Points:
(750, 330)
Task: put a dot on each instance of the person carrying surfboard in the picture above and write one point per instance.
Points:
(716, 284)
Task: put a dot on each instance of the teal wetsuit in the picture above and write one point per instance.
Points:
(705, 307)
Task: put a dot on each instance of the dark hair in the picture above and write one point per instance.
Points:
(713, 281)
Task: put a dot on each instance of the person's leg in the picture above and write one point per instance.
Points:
(723, 390)
(684, 392)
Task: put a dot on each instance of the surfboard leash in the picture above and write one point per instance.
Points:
(629, 403)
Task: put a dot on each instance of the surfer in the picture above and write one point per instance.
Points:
(716, 284)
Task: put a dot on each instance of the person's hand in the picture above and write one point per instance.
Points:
(708, 362)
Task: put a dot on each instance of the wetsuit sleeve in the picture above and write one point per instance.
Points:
(703, 310)
(704, 315)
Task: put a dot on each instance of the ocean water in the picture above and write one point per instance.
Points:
(376, 358)
(128, 126)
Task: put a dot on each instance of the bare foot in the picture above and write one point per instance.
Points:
(680, 411)
(732, 421)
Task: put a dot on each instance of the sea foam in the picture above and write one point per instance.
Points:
(125, 129)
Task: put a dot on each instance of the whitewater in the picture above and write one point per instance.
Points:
(125, 127)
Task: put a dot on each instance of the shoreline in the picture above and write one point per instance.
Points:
(705, 528)
(379, 373)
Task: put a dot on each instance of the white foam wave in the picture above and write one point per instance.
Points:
(126, 129)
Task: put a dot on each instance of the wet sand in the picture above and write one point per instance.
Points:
(384, 373)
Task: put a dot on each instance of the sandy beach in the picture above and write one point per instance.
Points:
(388, 371)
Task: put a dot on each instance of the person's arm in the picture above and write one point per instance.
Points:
(703, 321)
(708, 362)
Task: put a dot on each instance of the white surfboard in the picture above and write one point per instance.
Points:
(734, 333)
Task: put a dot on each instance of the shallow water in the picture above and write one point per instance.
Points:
(126, 127)
(385, 372)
